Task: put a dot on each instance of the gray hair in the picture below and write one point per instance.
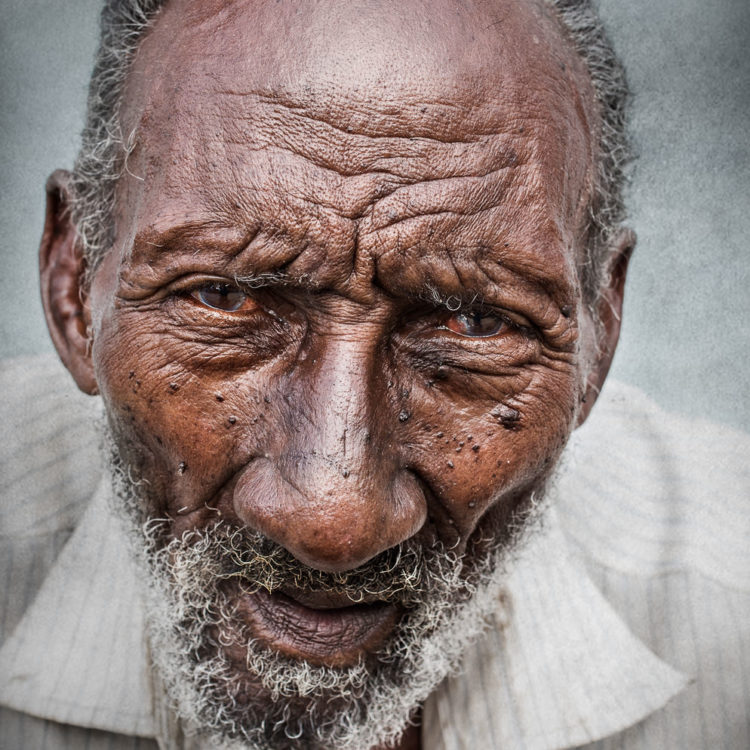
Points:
(104, 148)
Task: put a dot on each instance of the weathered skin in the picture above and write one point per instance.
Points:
(373, 153)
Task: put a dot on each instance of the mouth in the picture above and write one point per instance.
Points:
(320, 628)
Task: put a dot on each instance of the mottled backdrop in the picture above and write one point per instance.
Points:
(686, 332)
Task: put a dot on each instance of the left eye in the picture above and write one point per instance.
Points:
(475, 323)
(220, 295)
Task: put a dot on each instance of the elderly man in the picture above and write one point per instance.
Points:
(346, 276)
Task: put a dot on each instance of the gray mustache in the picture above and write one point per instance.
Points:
(403, 574)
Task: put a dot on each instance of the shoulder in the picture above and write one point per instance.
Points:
(49, 468)
(647, 492)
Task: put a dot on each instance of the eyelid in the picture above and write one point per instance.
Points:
(192, 282)
(513, 318)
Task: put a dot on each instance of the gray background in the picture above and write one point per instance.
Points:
(686, 333)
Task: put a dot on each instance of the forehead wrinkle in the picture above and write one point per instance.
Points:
(264, 122)
(385, 163)
(250, 159)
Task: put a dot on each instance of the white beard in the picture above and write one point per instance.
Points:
(301, 705)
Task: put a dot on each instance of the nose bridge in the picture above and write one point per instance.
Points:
(342, 386)
(335, 455)
(340, 495)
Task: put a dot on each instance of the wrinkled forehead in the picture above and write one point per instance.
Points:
(350, 102)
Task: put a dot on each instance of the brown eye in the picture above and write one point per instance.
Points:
(220, 295)
(477, 323)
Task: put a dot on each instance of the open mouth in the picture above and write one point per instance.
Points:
(323, 629)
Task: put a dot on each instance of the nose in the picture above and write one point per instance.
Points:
(336, 493)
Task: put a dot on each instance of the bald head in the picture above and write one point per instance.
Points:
(370, 51)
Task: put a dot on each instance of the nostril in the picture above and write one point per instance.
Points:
(409, 505)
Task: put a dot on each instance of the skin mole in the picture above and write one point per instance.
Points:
(508, 417)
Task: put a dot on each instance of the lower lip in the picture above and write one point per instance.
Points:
(328, 637)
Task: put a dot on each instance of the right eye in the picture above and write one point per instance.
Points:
(475, 324)
(223, 296)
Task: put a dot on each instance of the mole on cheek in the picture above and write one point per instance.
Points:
(508, 417)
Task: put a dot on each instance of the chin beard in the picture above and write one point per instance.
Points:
(275, 702)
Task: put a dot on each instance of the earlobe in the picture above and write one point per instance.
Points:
(609, 311)
(65, 300)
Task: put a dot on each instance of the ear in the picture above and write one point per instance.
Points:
(65, 299)
(609, 310)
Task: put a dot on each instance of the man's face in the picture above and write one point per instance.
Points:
(343, 308)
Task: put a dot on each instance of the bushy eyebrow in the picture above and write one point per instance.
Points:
(261, 280)
(453, 302)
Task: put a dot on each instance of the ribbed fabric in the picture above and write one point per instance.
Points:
(629, 621)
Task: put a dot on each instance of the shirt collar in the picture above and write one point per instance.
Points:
(78, 655)
(563, 670)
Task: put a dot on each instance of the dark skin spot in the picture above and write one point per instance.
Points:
(508, 417)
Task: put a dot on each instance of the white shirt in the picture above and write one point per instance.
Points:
(629, 621)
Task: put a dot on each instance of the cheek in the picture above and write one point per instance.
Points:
(185, 427)
(482, 453)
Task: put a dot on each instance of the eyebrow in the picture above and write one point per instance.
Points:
(451, 301)
(264, 279)
(189, 238)
(218, 245)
